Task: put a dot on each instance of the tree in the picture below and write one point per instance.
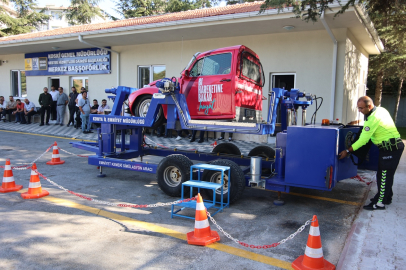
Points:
(139, 8)
(25, 21)
(311, 10)
(389, 18)
(83, 11)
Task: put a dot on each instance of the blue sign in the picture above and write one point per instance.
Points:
(69, 62)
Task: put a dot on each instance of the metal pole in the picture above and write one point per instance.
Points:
(303, 117)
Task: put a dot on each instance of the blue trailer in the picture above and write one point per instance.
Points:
(305, 155)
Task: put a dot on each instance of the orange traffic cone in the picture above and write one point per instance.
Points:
(56, 160)
(214, 144)
(35, 190)
(202, 235)
(313, 257)
(8, 184)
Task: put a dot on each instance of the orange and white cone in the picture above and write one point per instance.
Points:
(35, 190)
(202, 235)
(214, 144)
(8, 184)
(313, 257)
(56, 160)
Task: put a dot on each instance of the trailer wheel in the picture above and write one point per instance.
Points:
(264, 152)
(227, 148)
(141, 107)
(237, 181)
(172, 172)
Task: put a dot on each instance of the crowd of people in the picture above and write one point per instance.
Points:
(53, 106)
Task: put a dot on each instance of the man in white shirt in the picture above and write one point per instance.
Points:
(29, 110)
(3, 105)
(103, 107)
(54, 95)
(78, 117)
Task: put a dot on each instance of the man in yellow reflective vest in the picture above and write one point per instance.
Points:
(380, 128)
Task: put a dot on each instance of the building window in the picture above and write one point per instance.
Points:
(286, 81)
(147, 74)
(56, 15)
(18, 83)
(79, 82)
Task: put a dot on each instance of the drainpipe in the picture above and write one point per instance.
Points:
(334, 70)
(118, 56)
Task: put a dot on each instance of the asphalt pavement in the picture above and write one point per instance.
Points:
(63, 231)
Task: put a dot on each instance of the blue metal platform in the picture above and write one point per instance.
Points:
(199, 184)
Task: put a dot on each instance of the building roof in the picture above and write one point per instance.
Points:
(184, 15)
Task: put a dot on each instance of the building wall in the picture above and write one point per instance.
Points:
(355, 76)
(14, 62)
(307, 54)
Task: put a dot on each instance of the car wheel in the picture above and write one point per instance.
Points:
(142, 107)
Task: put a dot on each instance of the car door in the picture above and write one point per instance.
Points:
(208, 89)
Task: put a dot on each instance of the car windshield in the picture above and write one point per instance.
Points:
(191, 61)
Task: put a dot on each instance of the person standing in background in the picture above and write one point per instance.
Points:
(54, 95)
(61, 102)
(45, 100)
(72, 106)
(84, 107)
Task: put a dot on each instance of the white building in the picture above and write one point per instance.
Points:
(58, 18)
(328, 58)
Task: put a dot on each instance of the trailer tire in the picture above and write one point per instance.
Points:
(140, 109)
(172, 171)
(227, 148)
(264, 152)
(237, 181)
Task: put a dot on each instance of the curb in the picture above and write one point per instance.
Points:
(354, 237)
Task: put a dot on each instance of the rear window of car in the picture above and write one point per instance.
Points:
(212, 65)
(251, 68)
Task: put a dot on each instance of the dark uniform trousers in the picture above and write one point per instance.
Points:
(42, 110)
(388, 163)
(72, 110)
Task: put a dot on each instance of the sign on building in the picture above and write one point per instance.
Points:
(69, 62)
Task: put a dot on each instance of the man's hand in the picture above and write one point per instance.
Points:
(343, 154)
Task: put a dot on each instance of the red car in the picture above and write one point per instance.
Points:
(224, 84)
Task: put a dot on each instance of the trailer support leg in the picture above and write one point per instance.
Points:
(101, 174)
(278, 201)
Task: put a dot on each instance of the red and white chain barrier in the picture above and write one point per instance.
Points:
(113, 204)
(28, 165)
(259, 246)
(72, 153)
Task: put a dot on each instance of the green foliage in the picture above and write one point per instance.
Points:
(26, 20)
(233, 2)
(139, 8)
(311, 10)
(83, 11)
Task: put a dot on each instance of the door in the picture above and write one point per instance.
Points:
(53, 82)
(208, 89)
